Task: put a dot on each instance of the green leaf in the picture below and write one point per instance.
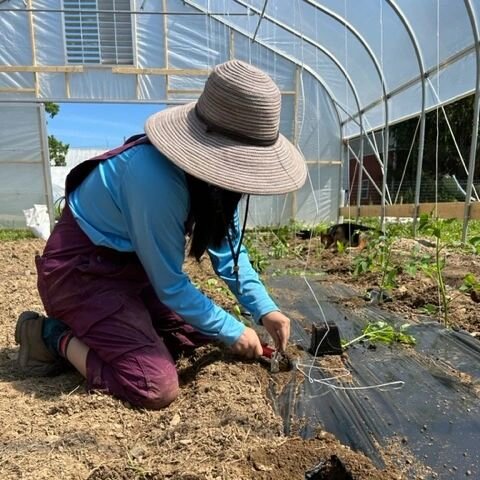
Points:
(236, 311)
(474, 241)
(212, 282)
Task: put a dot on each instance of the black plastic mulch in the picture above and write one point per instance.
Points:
(434, 417)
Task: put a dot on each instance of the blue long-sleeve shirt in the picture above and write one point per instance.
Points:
(138, 201)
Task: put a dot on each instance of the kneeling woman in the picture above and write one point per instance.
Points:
(120, 309)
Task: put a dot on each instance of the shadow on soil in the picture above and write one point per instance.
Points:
(197, 361)
(44, 388)
(48, 388)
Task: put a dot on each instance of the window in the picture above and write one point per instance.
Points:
(365, 187)
(95, 34)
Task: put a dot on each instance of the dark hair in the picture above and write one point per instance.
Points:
(211, 214)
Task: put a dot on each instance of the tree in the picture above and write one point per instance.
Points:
(460, 116)
(437, 179)
(57, 149)
(52, 108)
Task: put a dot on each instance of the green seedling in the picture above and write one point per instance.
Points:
(377, 257)
(280, 249)
(384, 333)
(341, 247)
(470, 283)
(412, 265)
(471, 286)
(212, 282)
(214, 285)
(429, 309)
(474, 244)
(436, 227)
(258, 260)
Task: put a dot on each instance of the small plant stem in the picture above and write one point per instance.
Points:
(369, 334)
(355, 340)
(441, 283)
(385, 265)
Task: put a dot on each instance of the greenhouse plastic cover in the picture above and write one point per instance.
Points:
(24, 169)
(331, 59)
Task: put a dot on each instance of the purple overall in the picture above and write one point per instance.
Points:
(107, 300)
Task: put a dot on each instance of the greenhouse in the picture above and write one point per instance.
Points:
(382, 99)
(344, 68)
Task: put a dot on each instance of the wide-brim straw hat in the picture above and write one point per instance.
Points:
(230, 137)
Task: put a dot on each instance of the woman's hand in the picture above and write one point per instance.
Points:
(248, 345)
(278, 326)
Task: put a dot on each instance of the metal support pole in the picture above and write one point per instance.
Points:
(33, 47)
(231, 46)
(260, 20)
(130, 12)
(45, 155)
(476, 109)
(296, 131)
(379, 70)
(165, 44)
(366, 172)
(343, 172)
(421, 143)
(360, 170)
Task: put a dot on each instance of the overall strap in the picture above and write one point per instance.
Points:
(78, 174)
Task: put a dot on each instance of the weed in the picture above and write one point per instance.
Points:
(341, 247)
(280, 249)
(258, 260)
(429, 309)
(217, 286)
(470, 283)
(474, 244)
(58, 207)
(13, 234)
(411, 267)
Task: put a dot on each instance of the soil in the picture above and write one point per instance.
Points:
(222, 426)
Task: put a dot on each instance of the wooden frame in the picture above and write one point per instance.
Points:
(442, 210)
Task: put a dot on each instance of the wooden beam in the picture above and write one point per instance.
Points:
(122, 70)
(231, 45)
(323, 162)
(33, 47)
(160, 71)
(67, 84)
(296, 128)
(186, 91)
(444, 210)
(165, 43)
(200, 90)
(42, 68)
(16, 90)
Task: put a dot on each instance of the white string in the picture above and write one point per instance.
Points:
(209, 33)
(452, 134)
(306, 369)
(345, 151)
(438, 114)
(251, 41)
(300, 130)
(407, 161)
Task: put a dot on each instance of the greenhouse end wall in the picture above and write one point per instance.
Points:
(24, 163)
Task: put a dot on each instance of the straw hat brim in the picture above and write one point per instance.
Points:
(181, 136)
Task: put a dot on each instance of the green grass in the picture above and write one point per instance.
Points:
(15, 234)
